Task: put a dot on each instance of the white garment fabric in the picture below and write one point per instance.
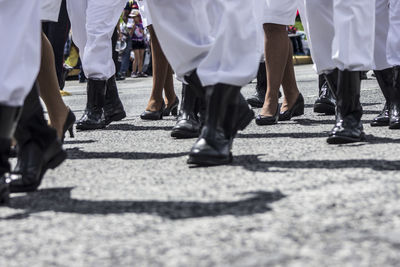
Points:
(221, 39)
(279, 12)
(20, 49)
(381, 35)
(393, 47)
(92, 25)
(341, 33)
(146, 18)
(50, 9)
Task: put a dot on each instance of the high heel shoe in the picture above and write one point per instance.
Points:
(173, 110)
(153, 115)
(69, 125)
(296, 110)
(268, 120)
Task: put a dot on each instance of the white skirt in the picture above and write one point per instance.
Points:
(280, 12)
(50, 10)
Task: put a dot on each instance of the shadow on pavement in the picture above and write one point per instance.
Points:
(131, 127)
(78, 142)
(253, 163)
(59, 200)
(77, 153)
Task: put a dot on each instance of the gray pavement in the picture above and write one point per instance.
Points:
(125, 196)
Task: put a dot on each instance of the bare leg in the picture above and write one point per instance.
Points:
(276, 53)
(169, 87)
(135, 61)
(50, 90)
(289, 84)
(140, 63)
(160, 71)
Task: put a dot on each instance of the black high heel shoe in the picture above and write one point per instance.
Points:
(69, 125)
(296, 110)
(153, 115)
(173, 110)
(268, 120)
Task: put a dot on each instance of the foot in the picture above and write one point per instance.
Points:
(154, 105)
(59, 122)
(289, 102)
(269, 109)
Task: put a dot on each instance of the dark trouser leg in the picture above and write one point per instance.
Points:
(348, 128)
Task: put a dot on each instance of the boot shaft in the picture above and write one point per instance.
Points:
(385, 81)
(348, 94)
(96, 93)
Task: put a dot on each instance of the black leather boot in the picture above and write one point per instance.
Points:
(188, 124)
(348, 128)
(113, 108)
(394, 110)
(214, 144)
(257, 100)
(8, 121)
(93, 118)
(39, 147)
(385, 81)
(326, 102)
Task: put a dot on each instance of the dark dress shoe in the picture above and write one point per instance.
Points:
(173, 109)
(348, 130)
(395, 100)
(394, 121)
(296, 110)
(211, 149)
(153, 115)
(33, 164)
(186, 127)
(93, 118)
(383, 118)
(268, 120)
(69, 125)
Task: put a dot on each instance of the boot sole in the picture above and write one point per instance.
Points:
(324, 109)
(337, 140)
(207, 161)
(179, 134)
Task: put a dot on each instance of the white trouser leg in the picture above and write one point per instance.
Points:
(77, 16)
(94, 24)
(353, 44)
(321, 31)
(19, 49)
(183, 29)
(381, 35)
(393, 48)
(228, 52)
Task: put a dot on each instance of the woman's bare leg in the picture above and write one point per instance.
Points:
(140, 63)
(50, 90)
(276, 53)
(160, 71)
(169, 87)
(289, 84)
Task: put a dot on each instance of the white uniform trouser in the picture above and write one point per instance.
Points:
(92, 24)
(341, 33)
(387, 39)
(20, 29)
(219, 38)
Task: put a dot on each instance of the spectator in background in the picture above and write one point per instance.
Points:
(138, 44)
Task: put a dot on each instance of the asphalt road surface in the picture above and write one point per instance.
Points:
(126, 197)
